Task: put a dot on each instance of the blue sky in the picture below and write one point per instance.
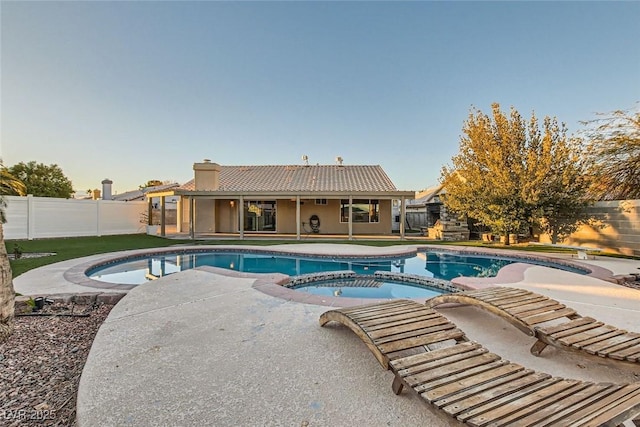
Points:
(134, 91)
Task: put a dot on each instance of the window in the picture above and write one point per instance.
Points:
(260, 215)
(362, 210)
(321, 201)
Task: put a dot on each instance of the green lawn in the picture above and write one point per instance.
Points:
(76, 247)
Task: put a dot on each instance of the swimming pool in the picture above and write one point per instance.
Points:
(432, 264)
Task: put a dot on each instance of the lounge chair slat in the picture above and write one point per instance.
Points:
(519, 309)
(409, 326)
(617, 412)
(606, 344)
(511, 303)
(623, 354)
(453, 368)
(385, 325)
(531, 410)
(579, 322)
(443, 362)
(590, 334)
(622, 346)
(587, 413)
(467, 373)
(452, 392)
(396, 311)
(556, 411)
(595, 339)
(545, 317)
(575, 330)
(411, 333)
(541, 310)
(421, 341)
(484, 401)
(528, 402)
(409, 361)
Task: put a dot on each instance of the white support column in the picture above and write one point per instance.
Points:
(350, 217)
(297, 217)
(241, 216)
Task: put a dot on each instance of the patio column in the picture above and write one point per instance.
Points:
(241, 212)
(297, 217)
(350, 218)
(192, 226)
(179, 215)
(163, 216)
(402, 217)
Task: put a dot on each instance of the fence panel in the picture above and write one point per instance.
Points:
(46, 217)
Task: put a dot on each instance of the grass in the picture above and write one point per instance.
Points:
(77, 247)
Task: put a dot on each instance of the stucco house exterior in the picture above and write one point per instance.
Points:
(294, 200)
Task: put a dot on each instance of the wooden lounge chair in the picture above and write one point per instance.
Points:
(462, 381)
(552, 323)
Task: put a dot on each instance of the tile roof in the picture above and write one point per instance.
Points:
(311, 178)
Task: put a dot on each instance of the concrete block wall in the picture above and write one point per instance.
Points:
(618, 228)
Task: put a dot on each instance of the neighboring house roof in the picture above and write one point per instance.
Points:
(426, 196)
(302, 178)
(139, 194)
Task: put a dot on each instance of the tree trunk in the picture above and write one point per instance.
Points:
(7, 294)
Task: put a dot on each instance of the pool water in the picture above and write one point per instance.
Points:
(437, 265)
(382, 289)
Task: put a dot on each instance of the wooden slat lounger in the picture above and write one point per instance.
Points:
(533, 314)
(463, 382)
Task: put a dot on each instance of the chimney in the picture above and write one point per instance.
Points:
(106, 189)
(95, 194)
(206, 176)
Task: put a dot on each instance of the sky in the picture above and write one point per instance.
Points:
(138, 91)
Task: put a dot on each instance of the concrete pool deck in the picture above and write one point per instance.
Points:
(202, 348)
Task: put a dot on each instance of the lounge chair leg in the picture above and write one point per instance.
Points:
(537, 348)
(397, 385)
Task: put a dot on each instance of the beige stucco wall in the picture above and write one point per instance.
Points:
(618, 231)
(226, 217)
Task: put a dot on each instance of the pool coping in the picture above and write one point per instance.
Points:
(272, 283)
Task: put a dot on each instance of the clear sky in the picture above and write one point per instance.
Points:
(134, 91)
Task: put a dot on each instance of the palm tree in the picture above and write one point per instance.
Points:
(8, 185)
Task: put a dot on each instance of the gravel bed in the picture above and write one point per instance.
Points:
(41, 363)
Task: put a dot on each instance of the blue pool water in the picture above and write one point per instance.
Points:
(438, 265)
(381, 289)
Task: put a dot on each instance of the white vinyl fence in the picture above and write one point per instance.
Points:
(44, 217)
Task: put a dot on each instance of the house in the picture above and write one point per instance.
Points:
(286, 199)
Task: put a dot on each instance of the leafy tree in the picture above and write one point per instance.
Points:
(559, 193)
(151, 183)
(8, 185)
(614, 148)
(510, 175)
(42, 180)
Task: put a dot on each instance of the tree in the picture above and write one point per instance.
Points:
(509, 174)
(614, 149)
(152, 183)
(8, 185)
(560, 196)
(42, 180)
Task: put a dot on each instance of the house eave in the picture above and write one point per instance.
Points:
(286, 194)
